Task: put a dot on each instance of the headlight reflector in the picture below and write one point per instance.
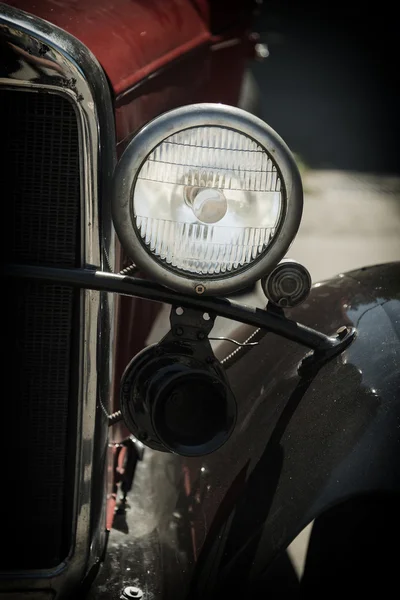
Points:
(207, 201)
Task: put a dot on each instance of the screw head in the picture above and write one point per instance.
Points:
(342, 332)
(200, 289)
(178, 330)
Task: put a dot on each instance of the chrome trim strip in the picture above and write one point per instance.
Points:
(51, 60)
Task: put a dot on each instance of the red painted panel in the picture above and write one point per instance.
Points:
(204, 75)
(158, 54)
(130, 38)
(183, 81)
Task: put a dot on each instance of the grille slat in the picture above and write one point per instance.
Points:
(43, 220)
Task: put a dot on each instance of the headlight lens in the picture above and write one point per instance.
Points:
(207, 201)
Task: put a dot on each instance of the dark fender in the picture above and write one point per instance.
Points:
(301, 447)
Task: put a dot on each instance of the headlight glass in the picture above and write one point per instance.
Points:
(207, 201)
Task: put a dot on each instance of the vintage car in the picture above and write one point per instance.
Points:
(121, 118)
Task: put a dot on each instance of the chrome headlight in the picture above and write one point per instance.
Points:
(207, 199)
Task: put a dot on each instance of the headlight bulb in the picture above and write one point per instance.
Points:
(209, 205)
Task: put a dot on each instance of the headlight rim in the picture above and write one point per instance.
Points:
(188, 117)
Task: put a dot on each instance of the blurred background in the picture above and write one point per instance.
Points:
(330, 87)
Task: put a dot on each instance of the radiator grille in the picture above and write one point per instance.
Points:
(43, 219)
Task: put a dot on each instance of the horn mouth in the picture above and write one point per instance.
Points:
(194, 413)
(176, 403)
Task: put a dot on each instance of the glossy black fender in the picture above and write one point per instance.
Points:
(301, 446)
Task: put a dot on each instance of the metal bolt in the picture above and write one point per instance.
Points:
(178, 330)
(131, 592)
(200, 289)
(342, 332)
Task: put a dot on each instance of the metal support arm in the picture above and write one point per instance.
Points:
(140, 288)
